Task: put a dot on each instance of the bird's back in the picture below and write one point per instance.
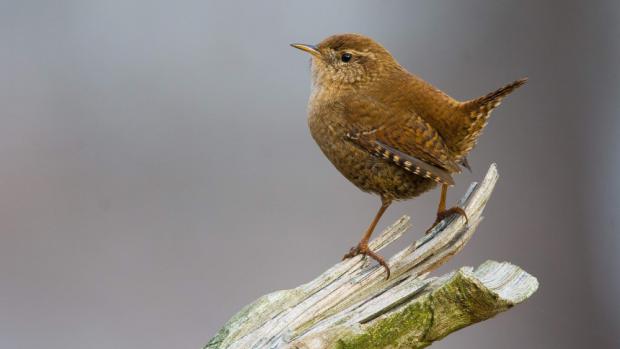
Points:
(460, 124)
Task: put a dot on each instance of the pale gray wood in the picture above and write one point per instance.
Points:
(351, 305)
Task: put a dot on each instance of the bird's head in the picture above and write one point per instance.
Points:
(348, 60)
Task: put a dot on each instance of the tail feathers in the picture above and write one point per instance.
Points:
(465, 163)
(490, 101)
(477, 112)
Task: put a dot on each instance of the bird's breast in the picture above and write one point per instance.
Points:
(367, 172)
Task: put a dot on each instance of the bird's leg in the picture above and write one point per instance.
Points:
(442, 212)
(362, 247)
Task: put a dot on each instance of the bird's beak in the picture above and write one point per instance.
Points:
(311, 49)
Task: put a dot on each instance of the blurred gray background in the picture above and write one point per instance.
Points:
(157, 173)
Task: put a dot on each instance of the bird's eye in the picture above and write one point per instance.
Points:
(346, 57)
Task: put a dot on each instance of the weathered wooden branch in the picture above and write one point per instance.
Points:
(351, 305)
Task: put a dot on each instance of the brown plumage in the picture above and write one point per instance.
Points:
(386, 130)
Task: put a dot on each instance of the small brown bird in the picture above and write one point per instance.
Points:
(386, 130)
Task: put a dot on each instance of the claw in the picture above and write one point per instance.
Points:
(447, 213)
(364, 250)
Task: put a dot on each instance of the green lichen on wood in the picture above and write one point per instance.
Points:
(445, 305)
(261, 309)
(461, 302)
(457, 303)
(405, 328)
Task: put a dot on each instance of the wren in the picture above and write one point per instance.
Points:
(386, 130)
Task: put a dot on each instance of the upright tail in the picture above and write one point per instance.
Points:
(477, 112)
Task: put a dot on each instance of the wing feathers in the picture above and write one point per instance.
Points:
(401, 137)
(414, 165)
(408, 162)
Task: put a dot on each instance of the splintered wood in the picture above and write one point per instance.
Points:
(351, 305)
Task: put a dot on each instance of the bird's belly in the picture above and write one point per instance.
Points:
(367, 172)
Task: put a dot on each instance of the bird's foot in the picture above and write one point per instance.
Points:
(362, 248)
(447, 213)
